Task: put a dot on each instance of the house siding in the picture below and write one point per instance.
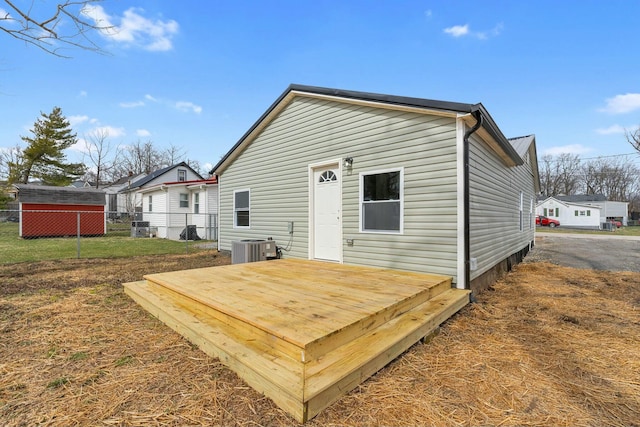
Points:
(494, 194)
(275, 168)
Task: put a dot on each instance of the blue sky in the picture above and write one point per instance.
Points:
(198, 74)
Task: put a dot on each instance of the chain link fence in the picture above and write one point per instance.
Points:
(33, 235)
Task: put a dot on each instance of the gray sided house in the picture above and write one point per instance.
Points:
(385, 181)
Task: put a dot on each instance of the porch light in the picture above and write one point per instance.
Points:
(348, 162)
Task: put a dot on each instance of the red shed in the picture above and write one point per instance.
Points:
(47, 211)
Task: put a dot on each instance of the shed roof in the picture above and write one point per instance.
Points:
(488, 124)
(29, 193)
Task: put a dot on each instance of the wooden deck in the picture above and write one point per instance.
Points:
(304, 333)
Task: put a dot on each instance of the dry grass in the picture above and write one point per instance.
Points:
(548, 346)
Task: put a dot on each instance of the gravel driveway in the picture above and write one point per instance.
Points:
(590, 251)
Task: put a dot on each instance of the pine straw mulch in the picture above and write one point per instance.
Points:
(547, 345)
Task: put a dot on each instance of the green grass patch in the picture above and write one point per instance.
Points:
(124, 361)
(81, 355)
(624, 231)
(14, 249)
(58, 382)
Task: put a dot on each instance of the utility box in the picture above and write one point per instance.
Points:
(252, 251)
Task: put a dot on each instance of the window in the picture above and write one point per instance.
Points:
(182, 175)
(588, 213)
(521, 210)
(184, 200)
(150, 203)
(381, 201)
(241, 215)
(196, 203)
(575, 213)
(583, 213)
(531, 213)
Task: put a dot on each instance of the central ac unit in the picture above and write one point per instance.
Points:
(252, 251)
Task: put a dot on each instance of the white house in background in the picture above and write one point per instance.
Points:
(609, 210)
(570, 215)
(121, 203)
(171, 207)
(180, 172)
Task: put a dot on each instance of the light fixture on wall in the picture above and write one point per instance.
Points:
(348, 162)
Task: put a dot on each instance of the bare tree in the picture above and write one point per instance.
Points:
(101, 154)
(174, 154)
(11, 163)
(616, 178)
(560, 175)
(633, 136)
(140, 157)
(64, 24)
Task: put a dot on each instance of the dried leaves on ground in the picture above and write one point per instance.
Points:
(547, 345)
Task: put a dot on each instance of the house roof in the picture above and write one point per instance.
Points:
(193, 183)
(565, 203)
(155, 174)
(29, 193)
(488, 124)
(583, 198)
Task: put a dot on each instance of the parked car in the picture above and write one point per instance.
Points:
(547, 222)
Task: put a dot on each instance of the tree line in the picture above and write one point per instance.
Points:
(616, 177)
(44, 158)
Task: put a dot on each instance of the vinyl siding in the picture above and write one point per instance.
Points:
(274, 167)
(494, 191)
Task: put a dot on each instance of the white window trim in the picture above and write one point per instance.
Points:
(196, 202)
(242, 227)
(180, 200)
(182, 172)
(360, 201)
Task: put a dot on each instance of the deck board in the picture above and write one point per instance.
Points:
(302, 332)
(300, 301)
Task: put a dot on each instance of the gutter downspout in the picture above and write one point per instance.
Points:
(467, 203)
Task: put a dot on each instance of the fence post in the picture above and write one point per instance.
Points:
(78, 231)
(186, 232)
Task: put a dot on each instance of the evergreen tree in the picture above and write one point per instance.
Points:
(44, 157)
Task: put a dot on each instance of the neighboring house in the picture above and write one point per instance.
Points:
(609, 210)
(180, 172)
(570, 215)
(121, 203)
(171, 207)
(47, 211)
(379, 180)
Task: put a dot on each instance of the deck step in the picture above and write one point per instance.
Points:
(302, 386)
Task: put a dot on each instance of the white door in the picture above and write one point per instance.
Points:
(327, 233)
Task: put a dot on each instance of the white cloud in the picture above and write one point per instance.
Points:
(428, 13)
(143, 133)
(457, 30)
(621, 104)
(133, 29)
(82, 94)
(611, 130)
(568, 149)
(188, 106)
(133, 104)
(463, 30)
(108, 131)
(150, 98)
(76, 120)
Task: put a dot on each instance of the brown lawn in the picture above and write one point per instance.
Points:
(547, 345)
